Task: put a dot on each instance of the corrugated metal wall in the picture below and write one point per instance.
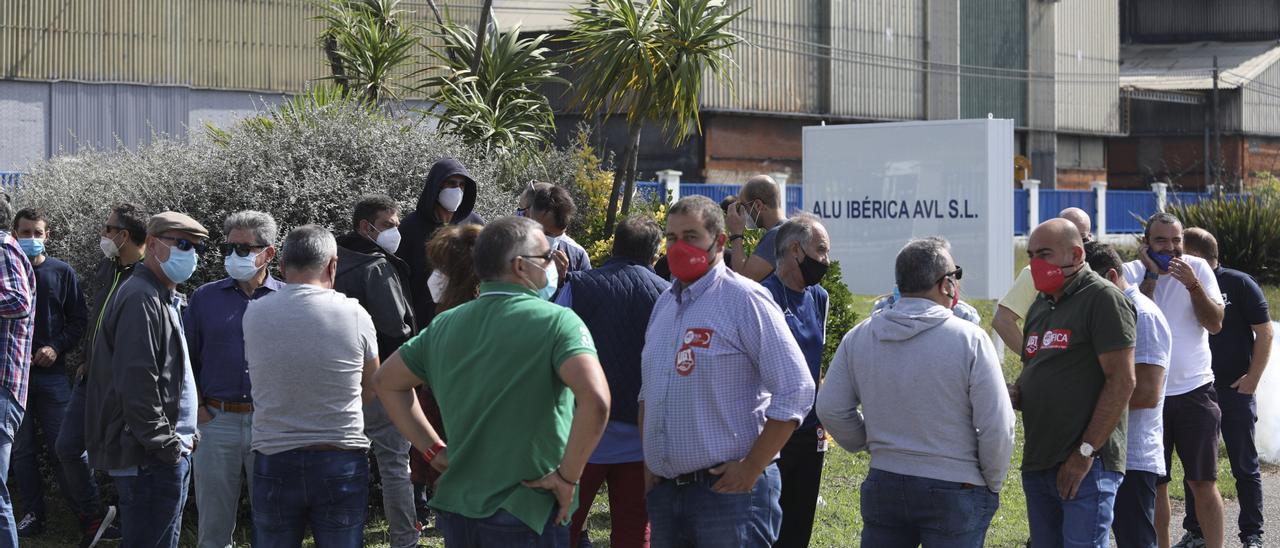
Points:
(91, 116)
(881, 44)
(1192, 20)
(266, 45)
(1087, 95)
(993, 33)
(1262, 103)
(780, 66)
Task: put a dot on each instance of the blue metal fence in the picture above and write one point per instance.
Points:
(652, 190)
(1127, 209)
(1020, 197)
(1053, 201)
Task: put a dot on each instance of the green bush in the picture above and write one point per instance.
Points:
(841, 317)
(1247, 229)
(305, 167)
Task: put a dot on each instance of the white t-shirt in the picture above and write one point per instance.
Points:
(1146, 426)
(1191, 365)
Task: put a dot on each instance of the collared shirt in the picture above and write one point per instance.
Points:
(718, 361)
(214, 324)
(1062, 377)
(1145, 451)
(493, 365)
(17, 317)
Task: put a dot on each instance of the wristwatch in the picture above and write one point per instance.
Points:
(1151, 275)
(1086, 450)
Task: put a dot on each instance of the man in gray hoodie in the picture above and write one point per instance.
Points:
(935, 414)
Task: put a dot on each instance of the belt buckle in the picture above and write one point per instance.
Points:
(685, 479)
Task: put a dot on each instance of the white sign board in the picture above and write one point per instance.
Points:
(876, 186)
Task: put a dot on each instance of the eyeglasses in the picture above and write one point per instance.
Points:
(545, 256)
(957, 274)
(241, 250)
(184, 244)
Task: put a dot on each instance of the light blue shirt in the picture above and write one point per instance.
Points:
(1145, 449)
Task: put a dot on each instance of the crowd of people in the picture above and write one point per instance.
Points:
(495, 380)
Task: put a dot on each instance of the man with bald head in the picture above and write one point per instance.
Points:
(759, 206)
(1013, 307)
(1077, 377)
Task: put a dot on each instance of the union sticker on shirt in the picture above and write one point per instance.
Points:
(685, 361)
(1057, 339)
(1033, 344)
(699, 337)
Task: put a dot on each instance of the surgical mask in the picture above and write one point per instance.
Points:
(812, 270)
(436, 284)
(180, 265)
(688, 262)
(752, 223)
(242, 269)
(554, 241)
(450, 199)
(33, 247)
(389, 239)
(552, 283)
(108, 247)
(1048, 277)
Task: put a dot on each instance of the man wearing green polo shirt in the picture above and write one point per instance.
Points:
(522, 395)
(1077, 377)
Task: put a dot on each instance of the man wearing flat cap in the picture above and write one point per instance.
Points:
(141, 394)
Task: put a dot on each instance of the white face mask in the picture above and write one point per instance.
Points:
(109, 247)
(389, 239)
(554, 241)
(436, 284)
(450, 199)
(242, 268)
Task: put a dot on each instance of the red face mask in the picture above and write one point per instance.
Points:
(688, 262)
(1048, 277)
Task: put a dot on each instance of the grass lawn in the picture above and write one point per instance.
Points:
(838, 522)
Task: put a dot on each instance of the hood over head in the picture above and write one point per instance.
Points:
(441, 170)
(907, 318)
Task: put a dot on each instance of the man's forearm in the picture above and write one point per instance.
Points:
(1261, 354)
(589, 418)
(738, 256)
(1006, 326)
(1208, 313)
(1148, 288)
(772, 439)
(1111, 405)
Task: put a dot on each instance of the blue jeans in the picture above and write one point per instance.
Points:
(217, 464)
(694, 515)
(48, 396)
(1135, 512)
(70, 450)
(1082, 521)
(500, 529)
(10, 418)
(151, 504)
(910, 511)
(327, 490)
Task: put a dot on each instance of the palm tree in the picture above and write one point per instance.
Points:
(366, 42)
(647, 61)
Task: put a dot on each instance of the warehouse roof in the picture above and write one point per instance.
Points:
(1189, 66)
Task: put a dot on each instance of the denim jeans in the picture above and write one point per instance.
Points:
(694, 515)
(70, 450)
(48, 396)
(1082, 521)
(909, 511)
(151, 504)
(391, 451)
(1239, 415)
(222, 455)
(327, 490)
(501, 529)
(10, 419)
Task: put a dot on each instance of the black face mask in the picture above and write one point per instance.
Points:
(812, 270)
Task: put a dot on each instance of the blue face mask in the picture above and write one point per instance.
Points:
(180, 265)
(1161, 259)
(33, 247)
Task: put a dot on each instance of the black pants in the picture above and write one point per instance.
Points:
(1135, 511)
(801, 469)
(1239, 413)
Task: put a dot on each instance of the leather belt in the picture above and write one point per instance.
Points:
(326, 447)
(698, 476)
(229, 406)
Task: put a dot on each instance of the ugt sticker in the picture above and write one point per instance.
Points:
(1033, 344)
(685, 361)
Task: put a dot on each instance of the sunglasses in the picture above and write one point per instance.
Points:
(184, 244)
(957, 274)
(241, 250)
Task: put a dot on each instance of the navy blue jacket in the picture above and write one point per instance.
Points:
(615, 302)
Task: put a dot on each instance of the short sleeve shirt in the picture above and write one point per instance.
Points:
(1145, 450)
(493, 365)
(767, 248)
(1061, 376)
(1246, 307)
(1021, 295)
(1191, 365)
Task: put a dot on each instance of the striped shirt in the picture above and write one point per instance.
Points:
(17, 317)
(718, 361)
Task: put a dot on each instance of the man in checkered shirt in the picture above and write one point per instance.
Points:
(17, 317)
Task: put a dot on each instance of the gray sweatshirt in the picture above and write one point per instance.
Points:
(934, 401)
